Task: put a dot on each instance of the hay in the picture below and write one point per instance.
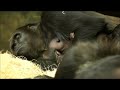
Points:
(12, 67)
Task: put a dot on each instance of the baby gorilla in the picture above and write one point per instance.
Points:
(88, 57)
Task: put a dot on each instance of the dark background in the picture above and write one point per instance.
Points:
(10, 20)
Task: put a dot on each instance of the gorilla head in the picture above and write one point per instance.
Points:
(27, 41)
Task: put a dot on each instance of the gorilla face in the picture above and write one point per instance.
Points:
(26, 41)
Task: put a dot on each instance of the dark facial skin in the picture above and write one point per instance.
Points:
(27, 41)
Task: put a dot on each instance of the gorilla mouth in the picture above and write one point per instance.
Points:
(19, 50)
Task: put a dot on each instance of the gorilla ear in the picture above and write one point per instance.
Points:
(116, 31)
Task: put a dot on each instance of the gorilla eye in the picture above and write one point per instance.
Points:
(17, 36)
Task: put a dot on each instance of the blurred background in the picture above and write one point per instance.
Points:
(10, 20)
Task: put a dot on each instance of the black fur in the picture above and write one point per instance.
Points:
(33, 39)
(92, 55)
(85, 26)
